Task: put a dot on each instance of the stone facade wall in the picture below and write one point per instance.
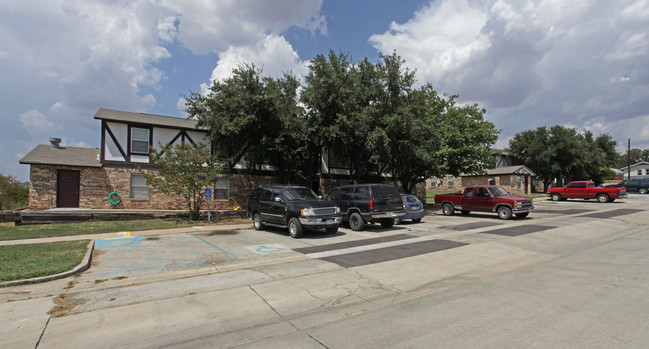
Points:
(96, 183)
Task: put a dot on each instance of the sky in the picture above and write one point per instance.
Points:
(581, 64)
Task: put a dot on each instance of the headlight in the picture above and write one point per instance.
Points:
(307, 212)
(518, 204)
(337, 209)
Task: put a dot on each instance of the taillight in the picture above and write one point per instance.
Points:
(371, 204)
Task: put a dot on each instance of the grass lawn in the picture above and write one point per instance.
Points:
(9, 231)
(20, 262)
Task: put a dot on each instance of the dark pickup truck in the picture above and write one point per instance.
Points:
(485, 198)
(293, 207)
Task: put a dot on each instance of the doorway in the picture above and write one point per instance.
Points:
(67, 188)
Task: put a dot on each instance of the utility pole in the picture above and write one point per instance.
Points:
(628, 160)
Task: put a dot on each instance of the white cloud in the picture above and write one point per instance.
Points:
(35, 122)
(534, 63)
(216, 26)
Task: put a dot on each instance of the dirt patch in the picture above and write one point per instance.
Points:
(16, 293)
(96, 253)
(63, 306)
(219, 232)
(152, 238)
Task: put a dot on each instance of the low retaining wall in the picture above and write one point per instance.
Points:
(31, 217)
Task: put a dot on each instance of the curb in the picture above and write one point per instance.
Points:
(83, 266)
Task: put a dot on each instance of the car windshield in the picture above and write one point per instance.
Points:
(498, 191)
(299, 194)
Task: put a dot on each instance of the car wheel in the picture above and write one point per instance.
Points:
(331, 230)
(465, 212)
(398, 220)
(447, 209)
(505, 212)
(522, 215)
(356, 222)
(295, 228)
(556, 197)
(643, 190)
(602, 197)
(387, 222)
(256, 222)
(416, 220)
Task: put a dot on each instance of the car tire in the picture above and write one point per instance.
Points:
(387, 222)
(465, 212)
(295, 228)
(356, 222)
(257, 222)
(398, 220)
(522, 215)
(602, 198)
(416, 220)
(447, 209)
(643, 191)
(556, 197)
(504, 212)
(332, 230)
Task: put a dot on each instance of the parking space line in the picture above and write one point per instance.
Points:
(211, 244)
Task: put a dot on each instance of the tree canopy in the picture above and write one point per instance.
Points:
(368, 115)
(12, 194)
(562, 153)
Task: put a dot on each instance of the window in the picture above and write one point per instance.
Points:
(345, 193)
(469, 192)
(451, 181)
(221, 188)
(362, 193)
(139, 140)
(139, 188)
(519, 184)
(433, 182)
(492, 180)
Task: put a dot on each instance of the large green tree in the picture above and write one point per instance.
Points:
(184, 169)
(372, 117)
(562, 153)
(256, 120)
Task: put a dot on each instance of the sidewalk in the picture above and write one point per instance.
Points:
(87, 259)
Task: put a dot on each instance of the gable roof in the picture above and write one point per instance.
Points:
(44, 154)
(518, 169)
(639, 164)
(147, 119)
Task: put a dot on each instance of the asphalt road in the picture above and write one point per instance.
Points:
(572, 274)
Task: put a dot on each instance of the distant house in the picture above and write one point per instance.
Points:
(515, 179)
(639, 169)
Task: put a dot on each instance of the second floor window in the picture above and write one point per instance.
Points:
(139, 140)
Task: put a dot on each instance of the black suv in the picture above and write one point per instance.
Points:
(292, 207)
(634, 185)
(368, 203)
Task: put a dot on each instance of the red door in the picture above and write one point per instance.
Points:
(67, 188)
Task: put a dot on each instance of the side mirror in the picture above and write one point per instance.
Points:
(277, 199)
(320, 197)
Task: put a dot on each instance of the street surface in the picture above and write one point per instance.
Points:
(572, 274)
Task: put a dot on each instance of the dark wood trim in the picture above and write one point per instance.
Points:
(112, 136)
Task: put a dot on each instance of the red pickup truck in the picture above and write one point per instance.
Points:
(485, 198)
(586, 190)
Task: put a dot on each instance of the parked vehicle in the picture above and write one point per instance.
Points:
(485, 198)
(293, 207)
(586, 190)
(368, 203)
(633, 185)
(414, 209)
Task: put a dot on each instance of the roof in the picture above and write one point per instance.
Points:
(147, 119)
(44, 154)
(639, 164)
(518, 169)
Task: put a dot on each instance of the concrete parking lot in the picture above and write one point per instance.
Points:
(569, 275)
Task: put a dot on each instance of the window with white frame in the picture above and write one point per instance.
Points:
(451, 181)
(221, 186)
(433, 182)
(140, 140)
(139, 188)
(519, 183)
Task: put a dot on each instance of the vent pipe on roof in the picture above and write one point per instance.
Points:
(54, 142)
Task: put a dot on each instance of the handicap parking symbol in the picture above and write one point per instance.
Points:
(270, 248)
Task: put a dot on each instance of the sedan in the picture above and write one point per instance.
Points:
(414, 208)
